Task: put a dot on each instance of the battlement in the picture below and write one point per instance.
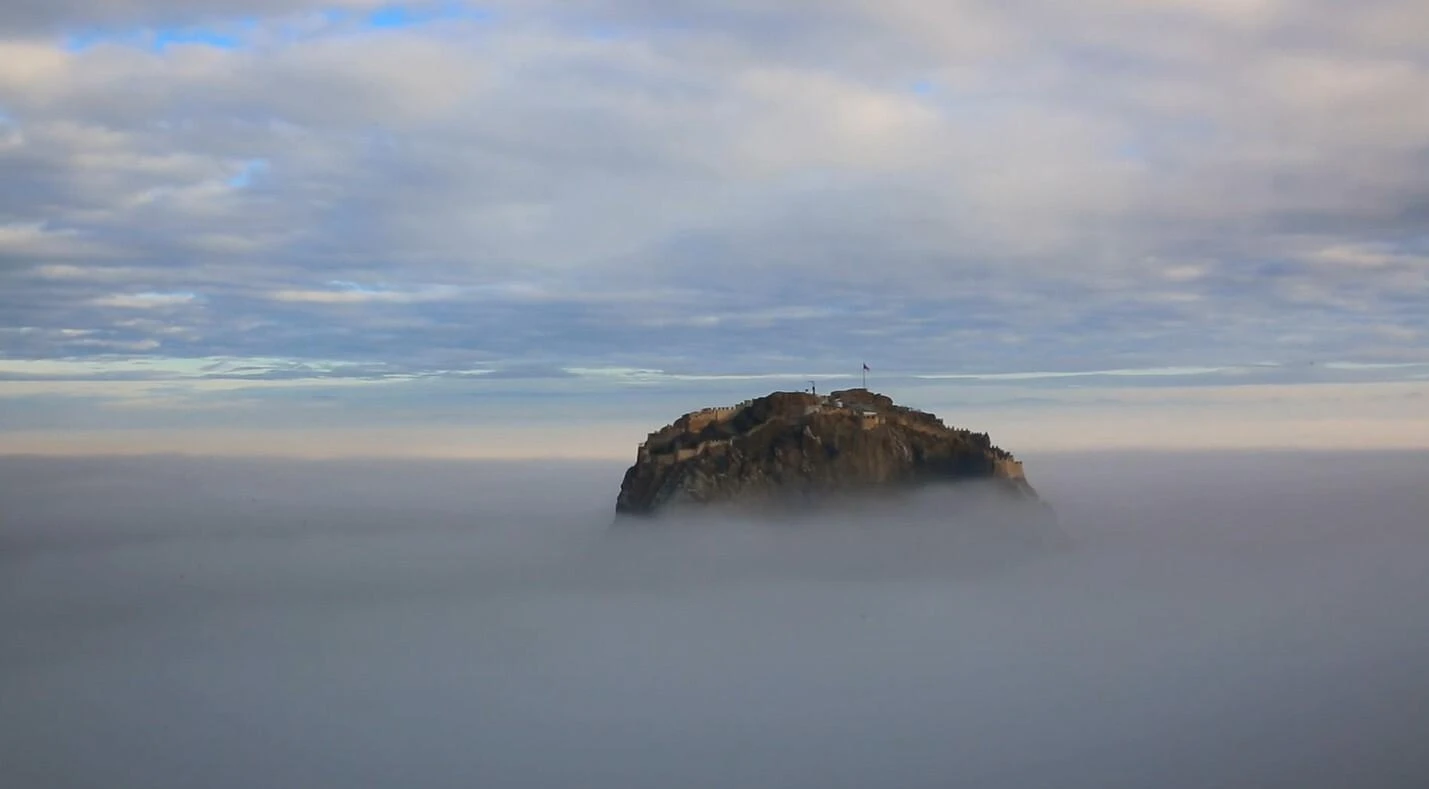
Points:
(672, 444)
(672, 454)
(1009, 469)
(704, 417)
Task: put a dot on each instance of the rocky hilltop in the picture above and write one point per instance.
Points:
(795, 448)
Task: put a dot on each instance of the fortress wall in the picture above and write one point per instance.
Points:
(1009, 469)
(699, 421)
(703, 418)
(719, 446)
(664, 443)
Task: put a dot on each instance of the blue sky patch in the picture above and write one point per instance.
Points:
(251, 169)
(413, 15)
(157, 39)
(211, 38)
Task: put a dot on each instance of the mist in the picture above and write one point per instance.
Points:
(1209, 619)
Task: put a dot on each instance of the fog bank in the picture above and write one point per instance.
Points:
(1227, 619)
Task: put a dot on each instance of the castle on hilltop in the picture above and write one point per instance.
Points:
(800, 446)
(711, 431)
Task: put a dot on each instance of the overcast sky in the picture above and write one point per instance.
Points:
(218, 216)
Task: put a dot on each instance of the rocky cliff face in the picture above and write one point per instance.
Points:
(793, 449)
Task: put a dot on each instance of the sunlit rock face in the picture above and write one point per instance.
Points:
(793, 452)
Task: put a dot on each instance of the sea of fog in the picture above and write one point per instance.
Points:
(1212, 620)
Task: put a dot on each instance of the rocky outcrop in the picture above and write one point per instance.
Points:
(795, 450)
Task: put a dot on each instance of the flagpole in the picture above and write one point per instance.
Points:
(865, 375)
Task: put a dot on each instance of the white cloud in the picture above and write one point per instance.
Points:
(67, 271)
(626, 185)
(366, 296)
(145, 300)
(1368, 256)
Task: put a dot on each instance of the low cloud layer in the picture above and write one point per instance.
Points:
(1218, 619)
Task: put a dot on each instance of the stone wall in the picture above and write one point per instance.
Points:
(705, 417)
(1009, 469)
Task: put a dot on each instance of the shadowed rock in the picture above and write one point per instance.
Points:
(792, 452)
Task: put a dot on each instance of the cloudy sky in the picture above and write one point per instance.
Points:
(524, 226)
